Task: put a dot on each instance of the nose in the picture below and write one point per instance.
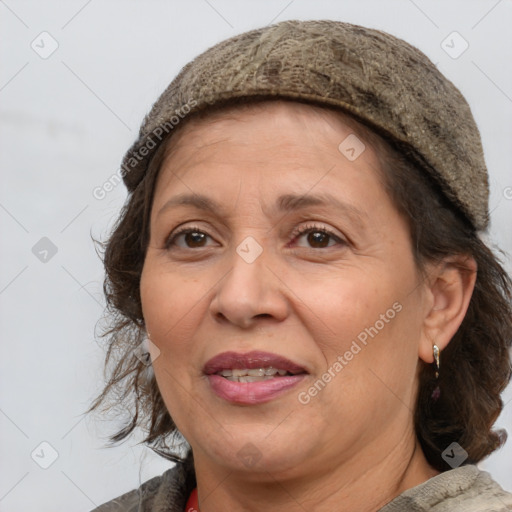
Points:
(250, 292)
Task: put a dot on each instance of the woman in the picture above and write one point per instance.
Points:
(300, 256)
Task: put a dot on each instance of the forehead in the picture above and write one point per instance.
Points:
(279, 129)
(267, 111)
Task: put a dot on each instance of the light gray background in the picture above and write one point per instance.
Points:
(65, 122)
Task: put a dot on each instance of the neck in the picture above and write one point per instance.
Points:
(364, 483)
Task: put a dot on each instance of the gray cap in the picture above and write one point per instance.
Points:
(381, 80)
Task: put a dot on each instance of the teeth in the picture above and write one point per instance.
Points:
(256, 372)
(251, 375)
(253, 379)
(247, 378)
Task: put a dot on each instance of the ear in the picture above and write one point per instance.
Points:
(449, 287)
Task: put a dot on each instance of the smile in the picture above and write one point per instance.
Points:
(251, 378)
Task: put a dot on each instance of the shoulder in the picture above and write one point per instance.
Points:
(165, 493)
(464, 489)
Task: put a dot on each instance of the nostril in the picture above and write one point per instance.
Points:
(220, 316)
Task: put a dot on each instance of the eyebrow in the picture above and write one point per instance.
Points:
(285, 203)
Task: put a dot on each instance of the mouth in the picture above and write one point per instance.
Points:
(251, 378)
(258, 365)
(252, 375)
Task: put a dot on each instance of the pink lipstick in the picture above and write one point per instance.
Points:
(252, 378)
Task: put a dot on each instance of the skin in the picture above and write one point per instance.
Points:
(353, 444)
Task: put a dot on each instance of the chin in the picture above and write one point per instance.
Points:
(257, 453)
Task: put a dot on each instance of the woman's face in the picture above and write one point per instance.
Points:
(274, 246)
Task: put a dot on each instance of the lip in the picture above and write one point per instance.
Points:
(252, 393)
(250, 360)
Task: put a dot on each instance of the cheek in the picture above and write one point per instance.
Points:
(345, 308)
(368, 324)
(170, 305)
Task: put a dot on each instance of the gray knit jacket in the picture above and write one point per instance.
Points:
(465, 489)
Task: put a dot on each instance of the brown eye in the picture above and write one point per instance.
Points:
(194, 239)
(188, 238)
(317, 237)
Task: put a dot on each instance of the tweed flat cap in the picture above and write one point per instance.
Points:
(381, 80)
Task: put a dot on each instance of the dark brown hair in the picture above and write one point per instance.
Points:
(475, 366)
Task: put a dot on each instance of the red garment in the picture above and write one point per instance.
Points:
(192, 503)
